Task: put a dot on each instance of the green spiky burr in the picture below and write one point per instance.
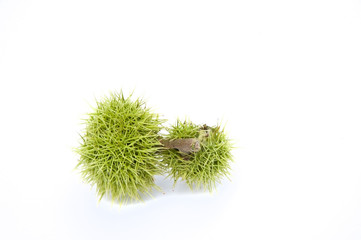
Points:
(206, 163)
(119, 148)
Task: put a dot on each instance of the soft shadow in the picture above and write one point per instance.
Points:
(167, 189)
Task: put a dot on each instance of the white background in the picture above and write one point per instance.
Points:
(284, 75)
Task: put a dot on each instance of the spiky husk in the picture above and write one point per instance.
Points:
(118, 153)
(203, 169)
